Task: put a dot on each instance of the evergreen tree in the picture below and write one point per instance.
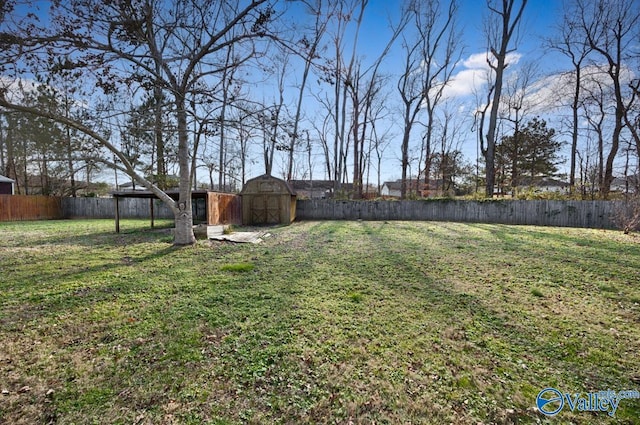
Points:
(532, 152)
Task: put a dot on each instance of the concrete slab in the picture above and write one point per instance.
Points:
(239, 237)
(217, 233)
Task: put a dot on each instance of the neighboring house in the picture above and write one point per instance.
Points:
(626, 184)
(6, 186)
(317, 189)
(313, 189)
(171, 180)
(543, 184)
(130, 186)
(369, 191)
(393, 189)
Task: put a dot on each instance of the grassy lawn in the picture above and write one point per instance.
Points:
(324, 322)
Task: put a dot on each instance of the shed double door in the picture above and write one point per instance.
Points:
(265, 209)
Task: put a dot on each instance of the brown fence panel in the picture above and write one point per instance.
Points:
(224, 208)
(588, 214)
(29, 207)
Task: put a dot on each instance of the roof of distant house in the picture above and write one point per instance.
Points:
(541, 182)
(412, 184)
(318, 185)
(312, 184)
(4, 179)
(632, 180)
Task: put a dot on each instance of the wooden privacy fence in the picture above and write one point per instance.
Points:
(105, 208)
(224, 208)
(219, 208)
(30, 207)
(215, 208)
(589, 214)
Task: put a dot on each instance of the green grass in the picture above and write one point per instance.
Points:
(237, 267)
(536, 292)
(324, 322)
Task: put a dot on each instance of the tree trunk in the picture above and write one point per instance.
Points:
(491, 133)
(405, 161)
(617, 130)
(574, 130)
(183, 215)
(72, 172)
(506, 30)
(3, 164)
(428, 152)
(357, 183)
(161, 169)
(183, 231)
(296, 121)
(608, 170)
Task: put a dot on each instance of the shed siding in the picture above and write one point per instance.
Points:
(267, 200)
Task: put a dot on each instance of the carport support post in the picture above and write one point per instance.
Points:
(151, 208)
(117, 214)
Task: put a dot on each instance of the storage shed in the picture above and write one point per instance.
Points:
(6, 186)
(268, 200)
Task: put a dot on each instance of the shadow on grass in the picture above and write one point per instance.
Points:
(324, 326)
(558, 242)
(88, 233)
(505, 336)
(46, 303)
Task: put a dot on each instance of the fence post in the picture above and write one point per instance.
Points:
(151, 209)
(116, 199)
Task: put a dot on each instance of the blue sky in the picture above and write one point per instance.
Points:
(539, 19)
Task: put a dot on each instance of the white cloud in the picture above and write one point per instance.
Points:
(551, 93)
(473, 75)
(15, 88)
(476, 61)
(466, 82)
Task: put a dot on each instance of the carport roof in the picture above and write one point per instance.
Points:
(174, 194)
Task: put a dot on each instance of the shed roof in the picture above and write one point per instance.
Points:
(250, 185)
(4, 179)
(174, 194)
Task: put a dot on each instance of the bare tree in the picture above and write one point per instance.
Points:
(575, 47)
(611, 29)
(450, 164)
(596, 108)
(429, 59)
(338, 72)
(632, 115)
(501, 31)
(322, 131)
(124, 42)
(353, 86)
(515, 110)
(322, 11)
(273, 119)
(348, 79)
(364, 90)
(246, 128)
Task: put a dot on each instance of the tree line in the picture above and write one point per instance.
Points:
(172, 93)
